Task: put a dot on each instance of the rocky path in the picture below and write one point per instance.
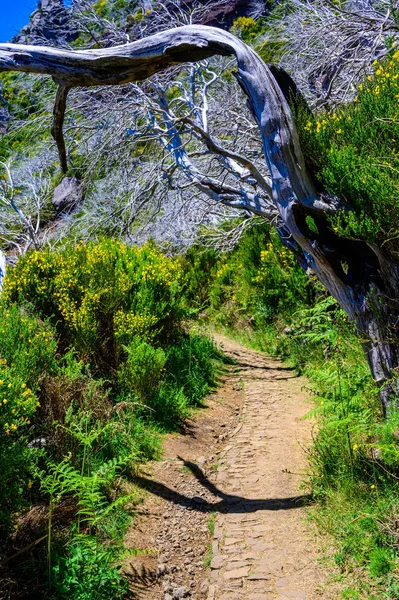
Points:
(236, 473)
(261, 546)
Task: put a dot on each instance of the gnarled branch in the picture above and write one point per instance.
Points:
(352, 271)
(140, 59)
(58, 122)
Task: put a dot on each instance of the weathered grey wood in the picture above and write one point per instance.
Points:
(361, 277)
(140, 59)
(58, 123)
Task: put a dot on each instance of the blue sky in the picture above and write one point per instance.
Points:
(14, 15)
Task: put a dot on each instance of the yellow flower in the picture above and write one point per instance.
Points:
(339, 130)
(372, 486)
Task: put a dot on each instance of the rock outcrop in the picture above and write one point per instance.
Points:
(223, 14)
(67, 195)
(48, 23)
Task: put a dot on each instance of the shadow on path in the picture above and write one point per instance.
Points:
(246, 365)
(228, 503)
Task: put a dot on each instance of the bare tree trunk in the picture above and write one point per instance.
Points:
(360, 276)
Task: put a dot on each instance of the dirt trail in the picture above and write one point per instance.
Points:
(241, 461)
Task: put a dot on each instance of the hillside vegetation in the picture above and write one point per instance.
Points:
(96, 361)
(107, 301)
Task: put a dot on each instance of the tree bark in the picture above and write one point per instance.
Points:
(360, 276)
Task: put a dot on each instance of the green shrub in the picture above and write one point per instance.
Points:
(256, 282)
(88, 572)
(380, 562)
(198, 264)
(386, 443)
(27, 353)
(354, 152)
(130, 436)
(143, 369)
(99, 296)
(103, 365)
(18, 466)
(192, 366)
(27, 344)
(247, 28)
(18, 404)
(168, 383)
(167, 408)
(21, 101)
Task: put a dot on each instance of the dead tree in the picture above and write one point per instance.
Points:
(184, 147)
(330, 46)
(361, 276)
(24, 192)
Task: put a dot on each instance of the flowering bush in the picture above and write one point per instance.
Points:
(355, 151)
(102, 366)
(17, 406)
(99, 296)
(17, 402)
(257, 278)
(27, 344)
(143, 369)
(27, 354)
(247, 28)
